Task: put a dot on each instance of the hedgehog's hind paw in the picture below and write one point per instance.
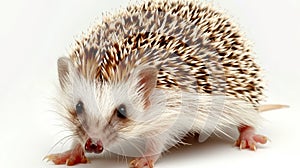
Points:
(248, 139)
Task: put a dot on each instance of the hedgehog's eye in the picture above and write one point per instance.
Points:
(79, 107)
(121, 111)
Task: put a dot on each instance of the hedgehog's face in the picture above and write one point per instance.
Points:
(101, 115)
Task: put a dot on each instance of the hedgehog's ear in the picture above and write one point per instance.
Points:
(147, 82)
(64, 67)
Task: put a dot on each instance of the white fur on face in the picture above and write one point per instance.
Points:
(100, 101)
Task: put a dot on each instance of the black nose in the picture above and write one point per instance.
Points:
(93, 146)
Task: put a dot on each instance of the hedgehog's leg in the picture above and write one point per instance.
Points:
(70, 157)
(152, 153)
(248, 138)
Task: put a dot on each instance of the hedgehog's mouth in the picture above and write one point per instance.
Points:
(93, 146)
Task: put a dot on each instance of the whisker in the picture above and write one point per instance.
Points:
(123, 153)
(68, 140)
(136, 147)
(59, 141)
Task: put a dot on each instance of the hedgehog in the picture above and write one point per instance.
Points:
(153, 73)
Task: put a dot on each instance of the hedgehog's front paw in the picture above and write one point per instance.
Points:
(141, 163)
(70, 157)
(248, 139)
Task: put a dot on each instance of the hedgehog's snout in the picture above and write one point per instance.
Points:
(93, 146)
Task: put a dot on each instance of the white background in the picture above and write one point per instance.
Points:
(34, 33)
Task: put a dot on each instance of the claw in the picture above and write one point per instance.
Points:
(46, 158)
(252, 146)
(49, 158)
(68, 163)
(243, 144)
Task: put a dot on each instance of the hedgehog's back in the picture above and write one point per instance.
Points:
(195, 47)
